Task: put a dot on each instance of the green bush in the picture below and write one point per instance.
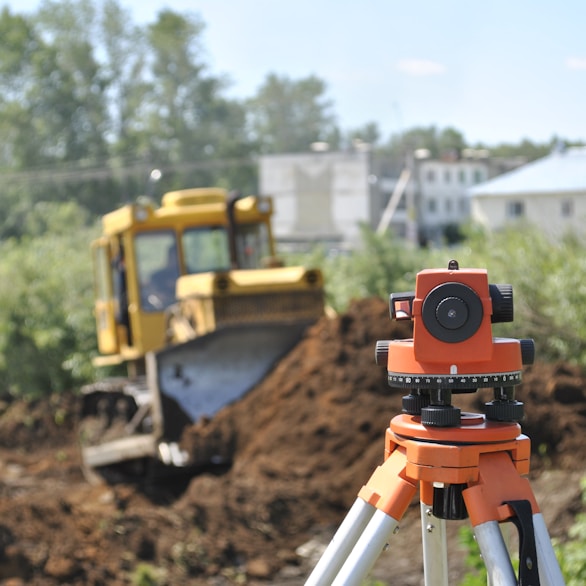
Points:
(47, 332)
(572, 553)
(548, 284)
(381, 265)
(547, 278)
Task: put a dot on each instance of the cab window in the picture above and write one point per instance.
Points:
(158, 268)
(252, 245)
(206, 249)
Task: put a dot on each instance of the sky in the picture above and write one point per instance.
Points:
(497, 71)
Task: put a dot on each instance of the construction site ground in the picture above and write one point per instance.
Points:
(303, 442)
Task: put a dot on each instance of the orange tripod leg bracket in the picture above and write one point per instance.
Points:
(389, 489)
(498, 482)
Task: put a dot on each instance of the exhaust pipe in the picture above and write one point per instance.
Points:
(233, 197)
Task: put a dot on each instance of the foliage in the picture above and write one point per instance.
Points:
(526, 149)
(547, 279)
(288, 115)
(381, 264)
(549, 290)
(146, 575)
(92, 102)
(86, 90)
(438, 142)
(476, 574)
(572, 553)
(46, 324)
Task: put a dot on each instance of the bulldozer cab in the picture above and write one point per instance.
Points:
(145, 251)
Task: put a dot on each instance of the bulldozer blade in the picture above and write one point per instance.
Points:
(205, 374)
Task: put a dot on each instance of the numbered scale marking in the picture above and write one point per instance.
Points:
(452, 381)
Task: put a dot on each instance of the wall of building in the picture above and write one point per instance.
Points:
(318, 196)
(441, 193)
(555, 214)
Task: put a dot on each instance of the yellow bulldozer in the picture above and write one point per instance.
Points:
(191, 298)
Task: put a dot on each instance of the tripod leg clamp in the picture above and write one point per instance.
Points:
(528, 570)
(389, 489)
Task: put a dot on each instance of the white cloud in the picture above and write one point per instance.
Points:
(576, 62)
(420, 67)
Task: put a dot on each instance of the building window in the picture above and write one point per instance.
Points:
(567, 208)
(448, 206)
(462, 176)
(447, 176)
(478, 175)
(430, 176)
(432, 206)
(463, 205)
(515, 209)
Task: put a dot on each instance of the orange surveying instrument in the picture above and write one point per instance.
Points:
(465, 465)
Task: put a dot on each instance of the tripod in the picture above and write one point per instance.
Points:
(474, 470)
(464, 464)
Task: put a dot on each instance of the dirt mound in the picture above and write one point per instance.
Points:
(303, 442)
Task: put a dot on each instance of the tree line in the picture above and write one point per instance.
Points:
(91, 102)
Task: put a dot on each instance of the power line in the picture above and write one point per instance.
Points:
(137, 169)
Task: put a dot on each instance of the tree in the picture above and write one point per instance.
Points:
(526, 148)
(47, 332)
(68, 101)
(287, 115)
(124, 46)
(187, 120)
(448, 141)
(369, 133)
(19, 45)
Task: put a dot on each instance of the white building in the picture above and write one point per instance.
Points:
(325, 196)
(442, 188)
(319, 196)
(549, 193)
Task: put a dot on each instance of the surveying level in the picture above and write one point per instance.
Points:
(465, 465)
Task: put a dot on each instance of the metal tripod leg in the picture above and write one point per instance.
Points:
(496, 557)
(367, 527)
(367, 550)
(502, 495)
(341, 544)
(435, 548)
(550, 573)
(495, 554)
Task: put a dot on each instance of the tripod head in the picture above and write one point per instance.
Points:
(453, 349)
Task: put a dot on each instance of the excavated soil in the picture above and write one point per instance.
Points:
(303, 442)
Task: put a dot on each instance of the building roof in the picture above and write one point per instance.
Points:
(562, 171)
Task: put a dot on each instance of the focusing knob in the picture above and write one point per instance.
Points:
(502, 303)
(527, 351)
